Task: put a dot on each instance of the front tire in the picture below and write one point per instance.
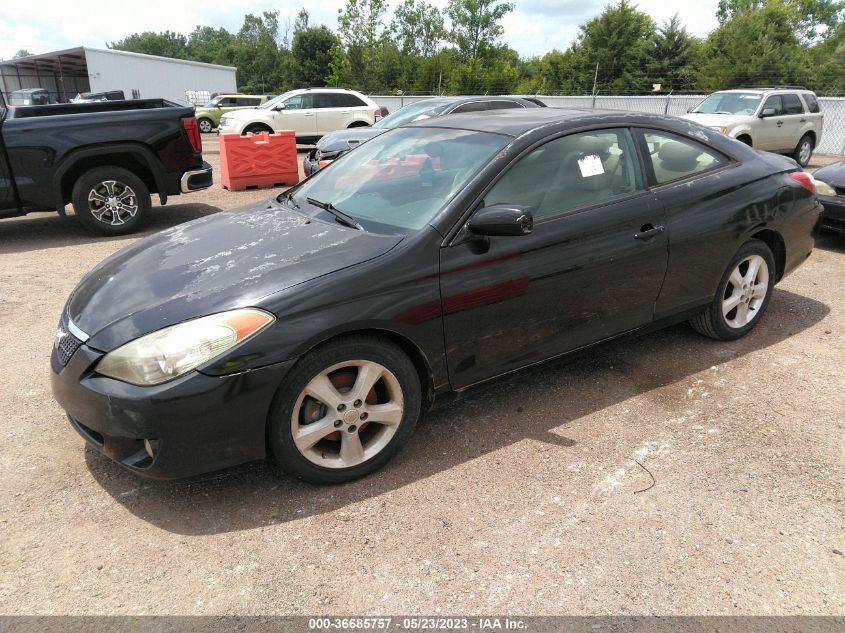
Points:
(743, 294)
(344, 411)
(804, 150)
(111, 200)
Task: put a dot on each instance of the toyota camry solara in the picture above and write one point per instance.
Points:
(313, 330)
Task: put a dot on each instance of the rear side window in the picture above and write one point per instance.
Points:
(351, 101)
(811, 101)
(325, 100)
(473, 106)
(674, 157)
(248, 101)
(792, 104)
(503, 105)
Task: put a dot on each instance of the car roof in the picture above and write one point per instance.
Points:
(759, 90)
(519, 121)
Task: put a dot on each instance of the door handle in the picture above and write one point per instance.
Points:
(803, 120)
(648, 231)
(780, 123)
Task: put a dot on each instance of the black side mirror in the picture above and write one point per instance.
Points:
(767, 112)
(501, 219)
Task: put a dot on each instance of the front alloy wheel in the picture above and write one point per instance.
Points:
(206, 126)
(344, 410)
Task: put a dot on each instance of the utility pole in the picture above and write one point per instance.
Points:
(596, 78)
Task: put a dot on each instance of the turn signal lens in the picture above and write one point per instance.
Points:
(179, 349)
(804, 179)
(723, 130)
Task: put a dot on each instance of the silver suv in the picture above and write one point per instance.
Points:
(783, 119)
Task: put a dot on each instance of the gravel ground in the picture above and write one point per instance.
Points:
(666, 475)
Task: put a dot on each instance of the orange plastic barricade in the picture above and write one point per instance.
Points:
(258, 160)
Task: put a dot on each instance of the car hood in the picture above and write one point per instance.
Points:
(223, 261)
(339, 141)
(833, 174)
(715, 120)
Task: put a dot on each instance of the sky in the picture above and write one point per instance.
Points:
(534, 28)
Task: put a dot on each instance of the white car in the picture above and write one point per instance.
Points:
(309, 112)
(784, 119)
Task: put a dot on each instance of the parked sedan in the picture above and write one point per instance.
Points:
(313, 330)
(334, 145)
(830, 187)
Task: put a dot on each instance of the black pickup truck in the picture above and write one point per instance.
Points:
(103, 157)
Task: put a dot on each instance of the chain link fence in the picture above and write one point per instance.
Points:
(833, 108)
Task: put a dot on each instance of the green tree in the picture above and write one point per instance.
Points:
(312, 54)
(811, 18)
(363, 34)
(213, 46)
(21, 53)
(615, 43)
(164, 44)
(418, 28)
(257, 53)
(755, 46)
(670, 57)
(476, 25)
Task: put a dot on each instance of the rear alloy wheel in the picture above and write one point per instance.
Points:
(344, 411)
(111, 200)
(206, 126)
(743, 294)
(804, 150)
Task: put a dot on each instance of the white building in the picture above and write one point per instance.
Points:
(65, 73)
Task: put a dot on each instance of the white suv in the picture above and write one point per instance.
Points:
(784, 119)
(310, 112)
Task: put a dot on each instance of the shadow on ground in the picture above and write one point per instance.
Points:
(251, 496)
(39, 231)
(831, 241)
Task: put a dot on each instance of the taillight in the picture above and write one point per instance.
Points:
(805, 180)
(378, 114)
(192, 129)
(821, 123)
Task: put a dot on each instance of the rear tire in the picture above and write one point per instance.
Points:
(111, 200)
(804, 150)
(743, 294)
(328, 424)
(206, 125)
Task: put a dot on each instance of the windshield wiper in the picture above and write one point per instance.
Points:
(342, 217)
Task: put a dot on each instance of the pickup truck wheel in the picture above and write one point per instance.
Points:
(804, 150)
(110, 200)
(206, 125)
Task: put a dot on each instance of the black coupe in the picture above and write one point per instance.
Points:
(314, 329)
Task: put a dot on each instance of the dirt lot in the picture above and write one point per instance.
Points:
(529, 496)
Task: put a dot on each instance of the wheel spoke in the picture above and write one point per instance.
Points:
(758, 291)
(351, 449)
(736, 279)
(109, 185)
(127, 193)
(94, 195)
(742, 314)
(389, 414)
(368, 376)
(322, 389)
(309, 434)
(751, 273)
(731, 302)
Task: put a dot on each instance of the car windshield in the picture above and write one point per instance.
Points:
(274, 101)
(419, 110)
(729, 103)
(401, 179)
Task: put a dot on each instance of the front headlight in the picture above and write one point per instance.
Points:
(824, 189)
(224, 120)
(179, 349)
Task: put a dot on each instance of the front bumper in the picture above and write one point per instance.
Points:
(196, 179)
(833, 217)
(310, 164)
(194, 424)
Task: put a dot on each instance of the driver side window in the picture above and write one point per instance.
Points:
(776, 103)
(299, 102)
(574, 171)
